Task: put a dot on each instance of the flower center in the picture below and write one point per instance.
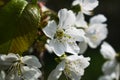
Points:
(15, 67)
(72, 66)
(59, 33)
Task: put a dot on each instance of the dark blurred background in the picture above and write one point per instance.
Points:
(111, 9)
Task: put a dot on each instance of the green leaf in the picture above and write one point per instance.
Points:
(34, 1)
(18, 26)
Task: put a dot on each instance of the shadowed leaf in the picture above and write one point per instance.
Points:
(18, 26)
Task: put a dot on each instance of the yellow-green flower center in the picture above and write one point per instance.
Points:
(59, 34)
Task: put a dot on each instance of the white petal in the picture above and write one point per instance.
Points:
(56, 73)
(89, 5)
(7, 60)
(83, 47)
(106, 77)
(87, 12)
(4, 65)
(50, 29)
(31, 61)
(109, 67)
(10, 57)
(66, 18)
(13, 75)
(58, 47)
(86, 5)
(75, 34)
(80, 21)
(62, 15)
(72, 48)
(98, 19)
(61, 66)
(95, 34)
(2, 75)
(85, 61)
(107, 51)
(31, 73)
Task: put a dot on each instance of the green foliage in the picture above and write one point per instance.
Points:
(76, 8)
(18, 26)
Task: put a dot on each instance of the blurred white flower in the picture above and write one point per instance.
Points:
(97, 30)
(2, 75)
(72, 66)
(108, 77)
(20, 67)
(113, 64)
(95, 33)
(64, 35)
(86, 6)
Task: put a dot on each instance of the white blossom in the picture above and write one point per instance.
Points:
(108, 77)
(97, 31)
(112, 65)
(63, 36)
(72, 66)
(86, 6)
(20, 67)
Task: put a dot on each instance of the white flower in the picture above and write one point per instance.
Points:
(94, 33)
(108, 77)
(113, 64)
(73, 67)
(107, 51)
(86, 6)
(20, 67)
(64, 36)
(97, 31)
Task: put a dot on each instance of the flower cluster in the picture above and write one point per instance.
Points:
(19, 68)
(67, 34)
(72, 34)
(111, 68)
(72, 66)
(73, 28)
